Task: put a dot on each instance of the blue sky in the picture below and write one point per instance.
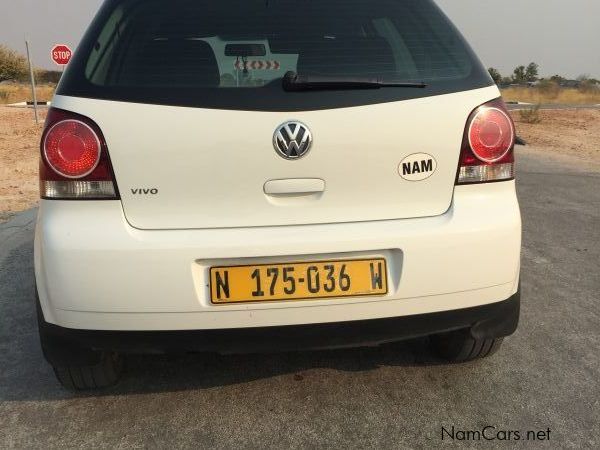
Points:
(561, 36)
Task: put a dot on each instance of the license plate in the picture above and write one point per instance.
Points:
(298, 281)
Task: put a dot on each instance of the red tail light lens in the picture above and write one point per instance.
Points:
(488, 145)
(75, 162)
(491, 134)
(72, 149)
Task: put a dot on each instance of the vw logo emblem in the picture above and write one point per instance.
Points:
(292, 140)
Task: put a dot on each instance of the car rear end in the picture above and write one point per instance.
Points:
(190, 201)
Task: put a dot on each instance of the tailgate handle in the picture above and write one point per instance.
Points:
(294, 186)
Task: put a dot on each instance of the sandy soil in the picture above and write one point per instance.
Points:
(19, 156)
(568, 132)
(575, 133)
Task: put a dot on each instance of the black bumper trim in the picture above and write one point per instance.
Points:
(487, 321)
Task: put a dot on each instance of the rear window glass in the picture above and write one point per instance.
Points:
(233, 54)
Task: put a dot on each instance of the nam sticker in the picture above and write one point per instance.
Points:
(417, 167)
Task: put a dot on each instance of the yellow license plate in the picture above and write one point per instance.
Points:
(298, 281)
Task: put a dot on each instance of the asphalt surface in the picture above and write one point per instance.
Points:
(396, 396)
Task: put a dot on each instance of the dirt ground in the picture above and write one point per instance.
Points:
(19, 150)
(570, 133)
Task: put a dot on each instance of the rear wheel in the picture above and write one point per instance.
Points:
(81, 378)
(77, 368)
(460, 346)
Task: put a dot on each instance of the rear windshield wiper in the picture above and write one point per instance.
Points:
(294, 82)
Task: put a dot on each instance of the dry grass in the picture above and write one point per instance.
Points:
(565, 96)
(15, 93)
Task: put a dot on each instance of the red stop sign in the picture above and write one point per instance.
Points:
(61, 54)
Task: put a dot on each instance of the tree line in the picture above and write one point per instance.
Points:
(530, 74)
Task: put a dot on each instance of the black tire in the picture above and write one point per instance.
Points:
(459, 346)
(77, 368)
(83, 378)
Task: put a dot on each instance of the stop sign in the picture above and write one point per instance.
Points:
(61, 54)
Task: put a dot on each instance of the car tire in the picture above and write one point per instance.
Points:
(77, 368)
(459, 346)
(83, 378)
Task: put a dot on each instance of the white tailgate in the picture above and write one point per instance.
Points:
(210, 167)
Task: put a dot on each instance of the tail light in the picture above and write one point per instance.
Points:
(74, 162)
(488, 146)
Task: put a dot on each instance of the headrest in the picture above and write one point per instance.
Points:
(369, 57)
(175, 62)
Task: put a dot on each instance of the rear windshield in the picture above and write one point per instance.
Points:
(233, 54)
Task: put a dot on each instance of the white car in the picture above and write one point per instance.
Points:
(265, 176)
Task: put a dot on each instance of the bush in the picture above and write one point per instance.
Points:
(549, 89)
(48, 76)
(13, 66)
(589, 87)
(495, 74)
(531, 115)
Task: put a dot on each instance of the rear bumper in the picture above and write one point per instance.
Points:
(489, 321)
(96, 272)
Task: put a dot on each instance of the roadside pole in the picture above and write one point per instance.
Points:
(34, 95)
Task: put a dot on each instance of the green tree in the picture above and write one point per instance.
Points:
(532, 72)
(495, 74)
(13, 66)
(519, 74)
